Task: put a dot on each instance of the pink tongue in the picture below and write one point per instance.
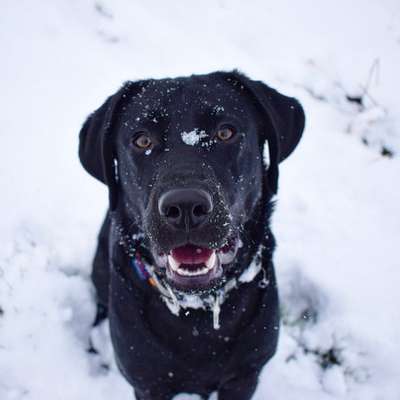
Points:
(191, 254)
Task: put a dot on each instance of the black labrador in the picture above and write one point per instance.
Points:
(183, 268)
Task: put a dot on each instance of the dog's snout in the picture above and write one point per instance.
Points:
(185, 208)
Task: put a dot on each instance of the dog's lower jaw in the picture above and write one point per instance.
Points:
(192, 268)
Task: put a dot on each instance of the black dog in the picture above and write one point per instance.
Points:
(184, 266)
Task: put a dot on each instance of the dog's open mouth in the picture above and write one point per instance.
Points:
(194, 267)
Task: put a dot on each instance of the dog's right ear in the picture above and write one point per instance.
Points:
(282, 123)
(96, 140)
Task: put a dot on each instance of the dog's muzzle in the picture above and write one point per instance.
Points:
(191, 235)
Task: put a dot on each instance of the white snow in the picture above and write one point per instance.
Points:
(218, 109)
(193, 137)
(337, 219)
(252, 270)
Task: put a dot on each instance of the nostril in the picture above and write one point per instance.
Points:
(173, 212)
(199, 210)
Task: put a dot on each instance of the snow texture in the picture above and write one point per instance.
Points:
(337, 219)
(193, 137)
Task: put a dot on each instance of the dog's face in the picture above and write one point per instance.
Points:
(183, 159)
(190, 172)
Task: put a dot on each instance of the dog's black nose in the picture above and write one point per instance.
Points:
(185, 208)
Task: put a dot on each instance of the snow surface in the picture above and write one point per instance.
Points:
(337, 220)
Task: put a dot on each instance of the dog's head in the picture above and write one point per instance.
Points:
(183, 161)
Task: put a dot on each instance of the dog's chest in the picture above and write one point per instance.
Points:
(145, 332)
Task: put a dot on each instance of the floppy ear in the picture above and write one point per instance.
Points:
(96, 143)
(283, 124)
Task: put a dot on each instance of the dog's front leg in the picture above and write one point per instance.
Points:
(151, 395)
(140, 395)
(239, 387)
(101, 270)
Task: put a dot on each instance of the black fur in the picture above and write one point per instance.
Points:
(159, 353)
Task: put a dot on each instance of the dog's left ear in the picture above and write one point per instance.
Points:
(282, 126)
(96, 141)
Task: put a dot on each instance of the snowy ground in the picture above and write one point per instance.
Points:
(337, 220)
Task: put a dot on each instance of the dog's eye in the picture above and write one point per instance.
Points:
(225, 133)
(143, 141)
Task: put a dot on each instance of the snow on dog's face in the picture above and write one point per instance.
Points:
(186, 158)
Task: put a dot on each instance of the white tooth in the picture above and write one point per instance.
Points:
(186, 272)
(201, 271)
(182, 271)
(173, 263)
(211, 261)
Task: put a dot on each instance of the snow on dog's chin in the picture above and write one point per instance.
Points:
(193, 267)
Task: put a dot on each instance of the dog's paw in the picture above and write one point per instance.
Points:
(186, 396)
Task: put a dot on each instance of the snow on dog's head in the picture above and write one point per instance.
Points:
(193, 137)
